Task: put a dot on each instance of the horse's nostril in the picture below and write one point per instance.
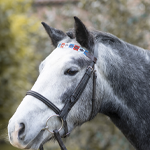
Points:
(21, 133)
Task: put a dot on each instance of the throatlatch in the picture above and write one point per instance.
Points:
(62, 114)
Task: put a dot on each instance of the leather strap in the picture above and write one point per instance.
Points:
(41, 147)
(92, 57)
(50, 105)
(94, 93)
(44, 100)
(59, 140)
(77, 92)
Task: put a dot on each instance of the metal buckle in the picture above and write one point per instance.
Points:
(90, 68)
(47, 127)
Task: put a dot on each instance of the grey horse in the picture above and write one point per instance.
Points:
(123, 84)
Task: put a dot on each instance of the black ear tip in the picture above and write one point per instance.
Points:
(76, 18)
(44, 24)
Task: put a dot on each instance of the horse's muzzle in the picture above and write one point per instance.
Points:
(16, 133)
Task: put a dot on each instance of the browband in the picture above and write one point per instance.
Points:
(79, 49)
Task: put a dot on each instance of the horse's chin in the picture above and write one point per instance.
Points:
(38, 141)
(36, 145)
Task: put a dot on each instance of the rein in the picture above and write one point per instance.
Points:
(62, 114)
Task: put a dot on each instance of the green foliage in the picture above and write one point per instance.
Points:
(17, 56)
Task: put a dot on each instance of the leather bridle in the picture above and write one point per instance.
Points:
(73, 98)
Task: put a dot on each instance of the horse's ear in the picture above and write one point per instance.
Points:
(83, 36)
(55, 35)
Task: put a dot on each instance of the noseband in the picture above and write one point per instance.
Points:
(62, 114)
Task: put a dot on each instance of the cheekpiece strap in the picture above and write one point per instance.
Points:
(79, 49)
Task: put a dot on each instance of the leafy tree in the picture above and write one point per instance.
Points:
(17, 55)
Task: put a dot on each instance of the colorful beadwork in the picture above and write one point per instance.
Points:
(72, 46)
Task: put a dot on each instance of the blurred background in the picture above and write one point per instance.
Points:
(24, 44)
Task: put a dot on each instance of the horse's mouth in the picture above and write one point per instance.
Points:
(45, 140)
(37, 143)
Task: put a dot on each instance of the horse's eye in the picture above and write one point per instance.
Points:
(71, 72)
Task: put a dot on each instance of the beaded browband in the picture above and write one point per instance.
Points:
(77, 48)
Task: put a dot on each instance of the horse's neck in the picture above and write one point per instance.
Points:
(127, 72)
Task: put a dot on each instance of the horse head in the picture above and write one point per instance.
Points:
(59, 75)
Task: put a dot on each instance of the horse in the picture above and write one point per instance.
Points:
(121, 88)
